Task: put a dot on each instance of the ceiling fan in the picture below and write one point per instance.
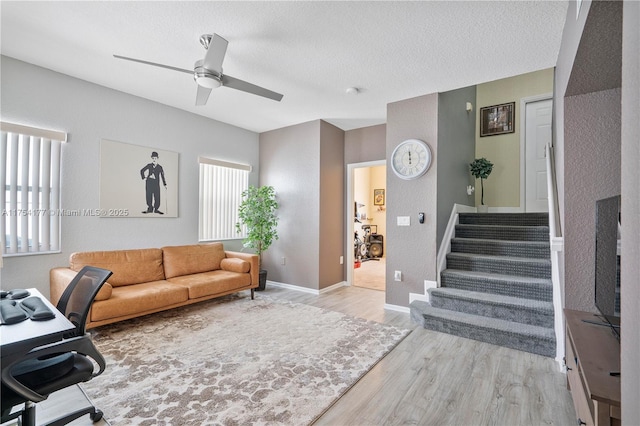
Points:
(208, 74)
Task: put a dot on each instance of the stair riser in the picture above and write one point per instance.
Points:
(497, 337)
(511, 234)
(498, 248)
(509, 313)
(520, 219)
(500, 266)
(534, 291)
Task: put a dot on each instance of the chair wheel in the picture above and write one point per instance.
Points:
(97, 416)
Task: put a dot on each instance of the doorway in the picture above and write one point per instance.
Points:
(366, 225)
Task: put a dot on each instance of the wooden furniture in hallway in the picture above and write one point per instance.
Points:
(592, 355)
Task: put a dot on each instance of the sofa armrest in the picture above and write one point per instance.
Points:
(252, 259)
(59, 279)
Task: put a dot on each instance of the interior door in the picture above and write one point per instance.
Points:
(537, 136)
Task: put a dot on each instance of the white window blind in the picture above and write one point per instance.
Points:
(221, 187)
(30, 199)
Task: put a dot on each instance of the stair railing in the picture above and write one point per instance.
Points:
(557, 246)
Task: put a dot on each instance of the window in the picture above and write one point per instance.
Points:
(30, 176)
(221, 187)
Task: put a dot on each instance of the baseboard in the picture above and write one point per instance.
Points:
(307, 290)
(397, 308)
(424, 297)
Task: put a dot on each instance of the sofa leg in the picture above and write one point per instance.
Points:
(252, 293)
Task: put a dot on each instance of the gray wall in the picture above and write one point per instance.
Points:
(290, 162)
(589, 176)
(39, 97)
(332, 206)
(631, 213)
(411, 249)
(456, 149)
(305, 164)
(588, 83)
(365, 144)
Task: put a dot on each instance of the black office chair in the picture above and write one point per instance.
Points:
(34, 374)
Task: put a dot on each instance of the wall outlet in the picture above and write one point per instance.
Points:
(397, 276)
(342, 260)
(283, 261)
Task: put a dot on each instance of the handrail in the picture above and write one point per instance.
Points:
(556, 244)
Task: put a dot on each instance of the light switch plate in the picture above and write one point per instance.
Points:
(404, 220)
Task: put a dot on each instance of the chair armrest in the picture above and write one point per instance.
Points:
(59, 279)
(253, 259)
(80, 344)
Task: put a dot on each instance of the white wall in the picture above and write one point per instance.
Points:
(88, 113)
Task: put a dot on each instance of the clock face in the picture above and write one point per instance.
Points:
(411, 159)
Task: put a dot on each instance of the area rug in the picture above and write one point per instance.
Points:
(234, 361)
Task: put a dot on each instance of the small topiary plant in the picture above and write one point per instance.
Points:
(481, 169)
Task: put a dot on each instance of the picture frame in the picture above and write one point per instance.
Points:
(137, 181)
(497, 119)
(378, 197)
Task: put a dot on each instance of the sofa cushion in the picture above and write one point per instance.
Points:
(192, 259)
(128, 266)
(212, 282)
(137, 299)
(105, 292)
(235, 265)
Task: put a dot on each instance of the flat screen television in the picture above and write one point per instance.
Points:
(607, 273)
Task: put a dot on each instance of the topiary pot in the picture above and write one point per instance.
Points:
(262, 281)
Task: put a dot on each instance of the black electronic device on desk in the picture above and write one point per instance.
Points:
(18, 305)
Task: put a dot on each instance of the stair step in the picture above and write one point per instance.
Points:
(497, 232)
(506, 265)
(533, 249)
(522, 219)
(507, 285)
(524, 337)
(525, 311)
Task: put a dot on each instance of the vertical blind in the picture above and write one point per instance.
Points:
(30, 199)
(221, 187)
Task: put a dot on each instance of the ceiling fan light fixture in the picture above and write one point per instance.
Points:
(207, 79)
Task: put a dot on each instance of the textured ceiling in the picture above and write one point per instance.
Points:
(309, 51)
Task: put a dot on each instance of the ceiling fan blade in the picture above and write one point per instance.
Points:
(202, 95)
(154, 64)
(215, 54)
(236, 83)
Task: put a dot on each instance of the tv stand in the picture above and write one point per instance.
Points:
(592, 354)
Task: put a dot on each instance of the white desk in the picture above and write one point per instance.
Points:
(30, 333)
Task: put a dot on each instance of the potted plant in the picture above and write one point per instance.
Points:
(481, 169)
(258, 213)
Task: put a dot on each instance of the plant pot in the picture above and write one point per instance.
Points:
(483, 208)
(262, 281)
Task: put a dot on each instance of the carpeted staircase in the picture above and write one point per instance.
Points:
(497, 286)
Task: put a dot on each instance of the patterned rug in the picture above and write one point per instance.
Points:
(234, 361)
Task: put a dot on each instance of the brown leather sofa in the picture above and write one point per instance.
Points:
(145, 281)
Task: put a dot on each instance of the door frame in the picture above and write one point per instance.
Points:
(349, 212)
(523, 133)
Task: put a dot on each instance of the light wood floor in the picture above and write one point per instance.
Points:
(433, 378)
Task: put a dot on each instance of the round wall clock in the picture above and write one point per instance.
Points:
(411, 159)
